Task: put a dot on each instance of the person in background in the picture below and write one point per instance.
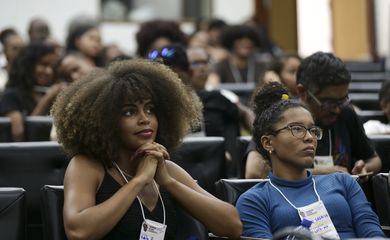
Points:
(335, 205)
(323, 81)
(373, 127)
(12, 42)
(84, 38)
(120, 180)
(31, 89)
(245, 64)
(38, 30)
(157, 34)
(284, 69)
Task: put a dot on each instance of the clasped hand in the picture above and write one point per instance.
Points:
(150, 159)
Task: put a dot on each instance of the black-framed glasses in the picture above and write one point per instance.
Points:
(330, 104)
(299, 131)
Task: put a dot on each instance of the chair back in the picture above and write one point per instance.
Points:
(229, 190)
(5, 129)
(37, 128)
(203, 158)
(382, 147)
(13, 213)
(31, 165)
(381, 192)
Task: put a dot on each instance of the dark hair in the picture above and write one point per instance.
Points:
(321, 70)
(86, 114)
(232, 33)
(76, 30)
(152, 30)
(22, 70)
(216, 24)
(278, 63)
(268, 107)
(384, 92)
(5, 34)
(173, 55)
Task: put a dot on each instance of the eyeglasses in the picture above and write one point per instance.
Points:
(163, 53)
(330, 104)
(299, 131)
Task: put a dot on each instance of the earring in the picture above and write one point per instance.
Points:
(270, 151)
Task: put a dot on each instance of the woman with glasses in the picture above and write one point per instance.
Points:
(285, 134)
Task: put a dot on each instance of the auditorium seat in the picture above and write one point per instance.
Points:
(5, 130)
(382, 199)
(12, 213)
(31, 165)
(203, 158)
(382, 147)
(52, 198)
(366, 115)
(241, 145)
(37, 128)
(229, 190)
(365, 101)
(365, 66)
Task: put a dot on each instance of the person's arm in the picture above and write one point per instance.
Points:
(219, 217)
(373, 164)
(17, 125)
(256, 165)
(364, 220)
(327, 170)
(43, 106)
(83, 219)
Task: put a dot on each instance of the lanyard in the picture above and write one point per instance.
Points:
(314, 186)
(250, 76)
(139, 200)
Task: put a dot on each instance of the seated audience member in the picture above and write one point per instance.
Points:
(157, 34)
(323, 81)
(125, 121)
(374, 126)
(30, 90)
(84, 38)
(244, 64)
(286, 135)
(221, 115)
(284, 69)
(12, 43)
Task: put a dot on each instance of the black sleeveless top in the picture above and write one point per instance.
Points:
(129, 227)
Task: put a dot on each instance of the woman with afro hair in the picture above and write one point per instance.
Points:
(120, 125)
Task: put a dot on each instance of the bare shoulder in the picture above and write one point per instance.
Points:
(84, 169)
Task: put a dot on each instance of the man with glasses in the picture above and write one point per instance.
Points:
(322, 84)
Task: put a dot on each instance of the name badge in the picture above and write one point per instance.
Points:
(151, 230)
(322, 224)
(323, 161)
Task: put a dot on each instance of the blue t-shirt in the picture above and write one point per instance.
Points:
(264, 211)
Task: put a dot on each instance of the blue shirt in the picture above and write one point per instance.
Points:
(264, 211)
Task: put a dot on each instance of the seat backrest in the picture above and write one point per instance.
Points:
(382, 147)
(364, 116)
(52, 203)
(52, 198)
(37, 128)
(229, 190)
(241, 146)
(382, 198)
(365, 101)
(203, 158)
(31, 165)
(5, 130)
(12, 213)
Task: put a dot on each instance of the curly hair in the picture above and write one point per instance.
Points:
(5, 34)
(152, 30)
(320, 70)
(232, 33)
(87, 113)
(268, 107)
(22, 70)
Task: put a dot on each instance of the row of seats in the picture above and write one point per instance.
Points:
(32, 165)
(13, 221)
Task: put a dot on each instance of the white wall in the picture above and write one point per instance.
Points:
(314, 26)
(233, 11)
(382, 11)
